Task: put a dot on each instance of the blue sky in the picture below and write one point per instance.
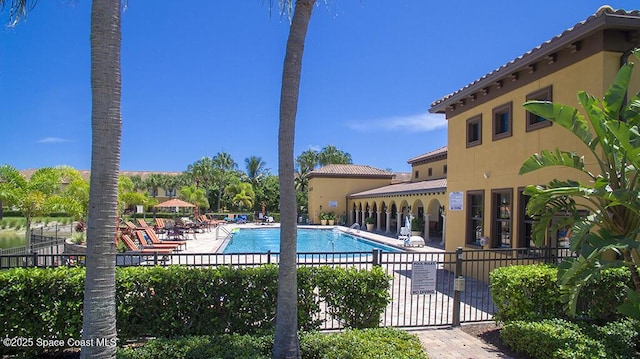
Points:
(202, 77)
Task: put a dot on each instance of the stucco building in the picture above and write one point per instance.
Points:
(472, 188)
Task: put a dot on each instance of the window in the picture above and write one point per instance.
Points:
(153, 192)
(444, 169)
(170, 193)
(535, 122)
(526, 222)
(416, 174)
(474, 131)
(501, 218)
(475, 222)
(430, 172)
(502, 121)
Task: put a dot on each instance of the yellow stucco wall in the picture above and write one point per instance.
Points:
(495, 164)
(328, 191)
(437, 171)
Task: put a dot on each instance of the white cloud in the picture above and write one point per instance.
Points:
(52, 140)
(423, 122)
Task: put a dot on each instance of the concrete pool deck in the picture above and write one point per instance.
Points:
(210, 241)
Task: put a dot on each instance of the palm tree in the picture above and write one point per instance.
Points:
(99, 310)
(611, 195)
(128, 194)
(138, 182)
(154, 182)
(195, 195)
(18, 9)
(332, 155)
(223, 166)
(307, 160)
(242, 194)
(286, 344)
(256, 169)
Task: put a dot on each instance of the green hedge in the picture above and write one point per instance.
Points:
(559, 339)
(531, 292)
(369, 343)
(177, 301)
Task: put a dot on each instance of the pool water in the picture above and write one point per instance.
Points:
(309, 241)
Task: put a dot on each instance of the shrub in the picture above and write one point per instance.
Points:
(41, 303)
(558, 338)
(531, 292)
(226, 346)
(177, 301)
(384, 343)
(525, 292)
(369, 343)
(356, 298)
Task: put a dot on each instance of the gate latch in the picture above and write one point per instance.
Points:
(458, 284)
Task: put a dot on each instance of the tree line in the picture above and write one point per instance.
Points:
(215, 183)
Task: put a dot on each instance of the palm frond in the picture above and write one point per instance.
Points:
(555, 158)
(564, 115)
(616, 94)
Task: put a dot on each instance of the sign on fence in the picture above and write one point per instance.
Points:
(423, 278)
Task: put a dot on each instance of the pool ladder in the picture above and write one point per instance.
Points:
(353, 226)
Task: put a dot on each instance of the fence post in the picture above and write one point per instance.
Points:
(269, 257)
(376, 258)
(458, 287)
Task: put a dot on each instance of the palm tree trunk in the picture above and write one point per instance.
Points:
(286, 343)
(99, 314)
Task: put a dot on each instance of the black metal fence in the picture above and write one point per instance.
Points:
(461, 292)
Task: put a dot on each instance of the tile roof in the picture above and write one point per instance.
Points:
(431, 186)
(605, 17)
(349, 171)
(433, 155)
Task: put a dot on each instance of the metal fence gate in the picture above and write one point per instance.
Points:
(461, 294)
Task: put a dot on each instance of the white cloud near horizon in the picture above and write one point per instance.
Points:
(423, 122)
(52, 140)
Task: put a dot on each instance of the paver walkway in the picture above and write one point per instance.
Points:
(453, 343)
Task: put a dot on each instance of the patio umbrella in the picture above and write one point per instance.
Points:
(175, 203)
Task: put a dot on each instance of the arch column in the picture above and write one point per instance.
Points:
(426, 227)
(388, 224)
(444, 225)
(350, 218)
(398, 223)
(357, 219)
(378, 216)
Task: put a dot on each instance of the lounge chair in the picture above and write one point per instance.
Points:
(153, 237)
(145, 242)
(142, 223)
(215, 222)
(133, 247)
(160, 227)
(130, 225)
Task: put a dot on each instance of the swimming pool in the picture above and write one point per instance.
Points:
(262, 240)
